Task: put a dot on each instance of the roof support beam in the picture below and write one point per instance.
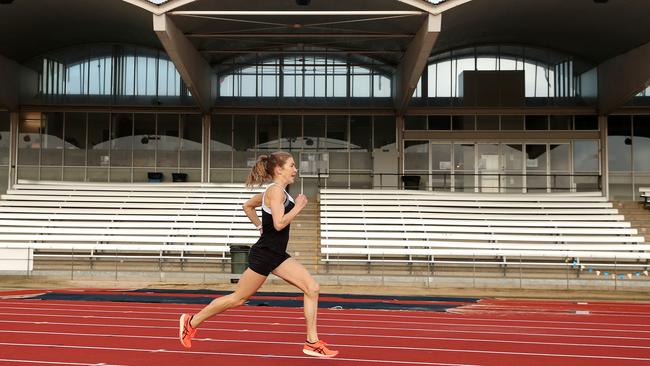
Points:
(294, 13)
(193, 68)
(414, 61)
(622, 77)
(159, 9)
(16, 82)
(433, 8)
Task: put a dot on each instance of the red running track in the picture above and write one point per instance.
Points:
(490, 332)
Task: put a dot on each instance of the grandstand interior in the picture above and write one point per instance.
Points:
(441, 143)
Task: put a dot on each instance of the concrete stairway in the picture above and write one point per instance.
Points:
(304, 238)
(637, 215)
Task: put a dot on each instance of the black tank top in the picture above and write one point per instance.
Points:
(271, 238)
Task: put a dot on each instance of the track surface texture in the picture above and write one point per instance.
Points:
(121, 327)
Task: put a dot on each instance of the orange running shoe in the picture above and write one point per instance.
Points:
(318, 349)
(185, 331)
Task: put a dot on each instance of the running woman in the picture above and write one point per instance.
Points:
(269, 254)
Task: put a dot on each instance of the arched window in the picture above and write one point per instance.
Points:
(546, 73)
(305, 77)
(115, 71)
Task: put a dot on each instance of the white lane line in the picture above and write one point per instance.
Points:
(459, 314)
(265, 356)
(450, 350)
(463, 322)
(207, 329)
(466, 340)
(355, 326)
(15, 361)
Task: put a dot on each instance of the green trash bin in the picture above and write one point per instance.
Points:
(238, 258)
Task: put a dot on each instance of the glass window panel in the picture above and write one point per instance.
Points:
(269, 85)
(248, 83)
(416, 156)
(99, 141)
(463, 123)
(341, 86)
(464, 157)
(308, 85)
(464, 178)
(443, 79)
(560, 160)
(268, 133)
(360, 142)
(226, 86)
(562, 123)
(641, 143)
(221, 142)
(461, 65)
(585, 156)
(29, 139)
(586, 123)
(513, 157)
(319, 85)
(167, 143)
(431, 80)
(488, 155)
(337, 142)
(415, 122)
(619, 143)
(360, 139)
(536, 158)
(244, 141)
(384, 132)
(360, 85)
(291, 133)
(486, 63)
(52, 139)
(530, 76)
(51, 173)
(536, 122)
(314, 132)
(512, 123)
(489, 167)
(121, 139)
(289, 84)
(337, 132)
(381, 86)
(440, 157)
(123, 175)
(191, 141)
(490, 123)
(75, 139)
(74, 174)
(442, 123)
(144, 140)
(4, 139)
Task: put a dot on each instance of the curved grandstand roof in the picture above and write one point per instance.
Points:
(590, 31)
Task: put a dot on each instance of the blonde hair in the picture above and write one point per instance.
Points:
(264, 167)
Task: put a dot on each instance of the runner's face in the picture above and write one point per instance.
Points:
(288, 171)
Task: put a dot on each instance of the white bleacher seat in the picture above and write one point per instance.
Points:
(141, 220)
(418, 226)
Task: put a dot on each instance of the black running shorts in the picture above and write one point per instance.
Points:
(263, 260)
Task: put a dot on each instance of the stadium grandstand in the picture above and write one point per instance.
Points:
(448, 143)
